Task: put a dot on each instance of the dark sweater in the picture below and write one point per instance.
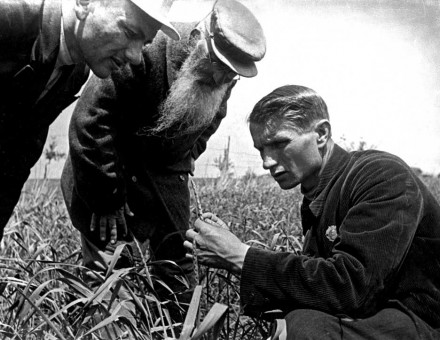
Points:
(387, 247)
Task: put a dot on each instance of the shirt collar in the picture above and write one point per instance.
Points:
(64, 57)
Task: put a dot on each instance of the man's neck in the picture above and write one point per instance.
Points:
(310, 192)
(327, 152)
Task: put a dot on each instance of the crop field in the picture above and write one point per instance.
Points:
(44, 294)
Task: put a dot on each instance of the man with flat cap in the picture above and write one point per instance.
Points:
(134, 138)
(46, 51)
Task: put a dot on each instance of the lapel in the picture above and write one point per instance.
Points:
(44, 56)
(314, 221)
(336, 164)
(46, 47)
(31, 80)
(61, 94)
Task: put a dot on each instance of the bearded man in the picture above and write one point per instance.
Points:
(134, 138)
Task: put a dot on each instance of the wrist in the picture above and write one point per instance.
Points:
(239, 259)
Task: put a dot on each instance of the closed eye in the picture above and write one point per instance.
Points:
(280, 145)
(130, 34)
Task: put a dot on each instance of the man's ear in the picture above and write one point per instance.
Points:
(324, 131)
(82, 9)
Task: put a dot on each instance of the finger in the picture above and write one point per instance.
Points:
(190, 234)
(213, 220)
(120, 221)
(113, 230)
(199, 224)
(103, 228)
(222, 224)
(188, 245)
(189, 256)
(128, 211)
(93, 223)
(207, 215)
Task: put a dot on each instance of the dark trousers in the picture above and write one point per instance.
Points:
(387, 324)
(10, 190)
(20, 149)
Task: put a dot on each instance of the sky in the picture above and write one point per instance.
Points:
(375, 63)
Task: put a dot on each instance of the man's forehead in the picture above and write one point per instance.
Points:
(264, 133)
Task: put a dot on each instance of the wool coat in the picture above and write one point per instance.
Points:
(372, 241)
(29, 46)
(111, 162)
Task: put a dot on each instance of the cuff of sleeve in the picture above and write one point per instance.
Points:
(107, 201)
(254, 278)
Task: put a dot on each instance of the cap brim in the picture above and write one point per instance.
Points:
(169, 30)
(157, 15)
(243, 68)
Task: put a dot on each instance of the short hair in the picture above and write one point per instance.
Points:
(294, 104)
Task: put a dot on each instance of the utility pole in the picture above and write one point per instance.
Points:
(227, 155)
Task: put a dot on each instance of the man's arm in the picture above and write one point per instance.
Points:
(97, 163)
(92, 140)
(385, 207)
(374, 238)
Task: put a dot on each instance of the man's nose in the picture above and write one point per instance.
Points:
(268, 161)
(134, 52)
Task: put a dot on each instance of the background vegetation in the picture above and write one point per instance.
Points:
(43, 293)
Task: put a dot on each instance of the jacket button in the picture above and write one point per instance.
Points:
(182, 178)
(134, 179)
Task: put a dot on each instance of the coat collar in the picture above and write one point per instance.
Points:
(336, 163)
(46, 47)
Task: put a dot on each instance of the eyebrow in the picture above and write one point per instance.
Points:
(274, 140)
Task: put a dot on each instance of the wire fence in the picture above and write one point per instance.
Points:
(206, 166)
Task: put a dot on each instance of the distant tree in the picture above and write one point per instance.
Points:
(359, 145)
(225, 166)
(51, 154)
(223, 162)
(249, 175)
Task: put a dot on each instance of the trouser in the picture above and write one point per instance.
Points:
(10, 190)
(178, 275)
(98, 260)
(18, 154)
(387, 324)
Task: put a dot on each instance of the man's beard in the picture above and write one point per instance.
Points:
(193, 100)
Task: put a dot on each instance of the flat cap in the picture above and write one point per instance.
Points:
(237, 36)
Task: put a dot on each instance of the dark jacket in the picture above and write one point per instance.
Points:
(111, 163)
(387, 248)
(29, 45)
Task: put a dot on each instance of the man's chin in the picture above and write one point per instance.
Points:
(286, 184)
(103, 70)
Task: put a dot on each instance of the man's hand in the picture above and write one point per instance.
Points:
(111, 222)
(216, 245)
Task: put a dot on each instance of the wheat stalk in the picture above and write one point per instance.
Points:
(199, 213)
